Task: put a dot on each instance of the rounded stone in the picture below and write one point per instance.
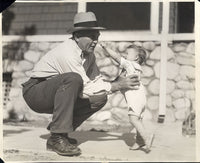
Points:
(32, 56)
(172, 70)
(190, 94)
(191, 48)
(103, 62)
(185, 85)
(137, 43)
(154, 87)
(33, 46)
(145, 81)
(170, 86)
(149, 45)
(43, 46)
(157, 69)
(122, 46)
(155, 54)
(180, 47)
(177, 78)
(169, 101)
(177, 93)
(181, 103)
(170, 54)
(181, 114)
(150, 62)
(18, 74)
(99, 52)
(147, 71)
(186, 60)
(153, 102)
(187, 72)
(23, 66)
(183, 54)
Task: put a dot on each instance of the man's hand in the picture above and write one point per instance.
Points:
(126, 83)
(97, 87)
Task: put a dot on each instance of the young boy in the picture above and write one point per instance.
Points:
(136, 99)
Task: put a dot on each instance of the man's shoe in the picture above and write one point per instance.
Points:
(59, 144)
(71, 140)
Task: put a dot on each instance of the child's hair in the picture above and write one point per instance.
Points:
(142, 55)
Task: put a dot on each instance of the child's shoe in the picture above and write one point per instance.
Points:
(139, 142)
(136, 146)
(148, 143)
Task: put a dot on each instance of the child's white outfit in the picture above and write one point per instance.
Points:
(136, 99)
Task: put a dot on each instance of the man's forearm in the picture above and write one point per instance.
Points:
(115, 86)
(128, 83)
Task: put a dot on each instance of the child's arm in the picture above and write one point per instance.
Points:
(116, 56)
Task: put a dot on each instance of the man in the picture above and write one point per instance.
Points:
(66, 83)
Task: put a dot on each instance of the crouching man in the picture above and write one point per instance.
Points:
(66, 82)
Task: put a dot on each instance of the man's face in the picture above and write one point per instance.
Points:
(87, 40)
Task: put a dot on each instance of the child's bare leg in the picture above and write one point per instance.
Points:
(141, 133)
(142, 138)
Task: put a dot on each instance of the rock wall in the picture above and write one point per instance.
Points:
(180, 81)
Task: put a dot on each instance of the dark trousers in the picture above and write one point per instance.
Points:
(60, 96)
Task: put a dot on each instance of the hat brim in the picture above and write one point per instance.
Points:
(75, 29)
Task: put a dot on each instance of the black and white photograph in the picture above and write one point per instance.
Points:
(100, 81)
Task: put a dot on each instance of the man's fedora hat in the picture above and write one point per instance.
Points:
(85, 21)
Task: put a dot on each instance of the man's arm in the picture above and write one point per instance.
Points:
(125, 83)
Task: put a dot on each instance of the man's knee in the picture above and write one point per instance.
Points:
(97, 102)
(72, 78)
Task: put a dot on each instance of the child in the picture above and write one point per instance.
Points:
(136, 99)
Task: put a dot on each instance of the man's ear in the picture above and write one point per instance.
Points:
(76, 38)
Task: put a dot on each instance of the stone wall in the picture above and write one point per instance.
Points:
(180, 81)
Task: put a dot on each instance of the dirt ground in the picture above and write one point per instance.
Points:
(27, 141)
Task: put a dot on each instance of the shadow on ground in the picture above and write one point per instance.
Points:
(84, 136)
(13, 132)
